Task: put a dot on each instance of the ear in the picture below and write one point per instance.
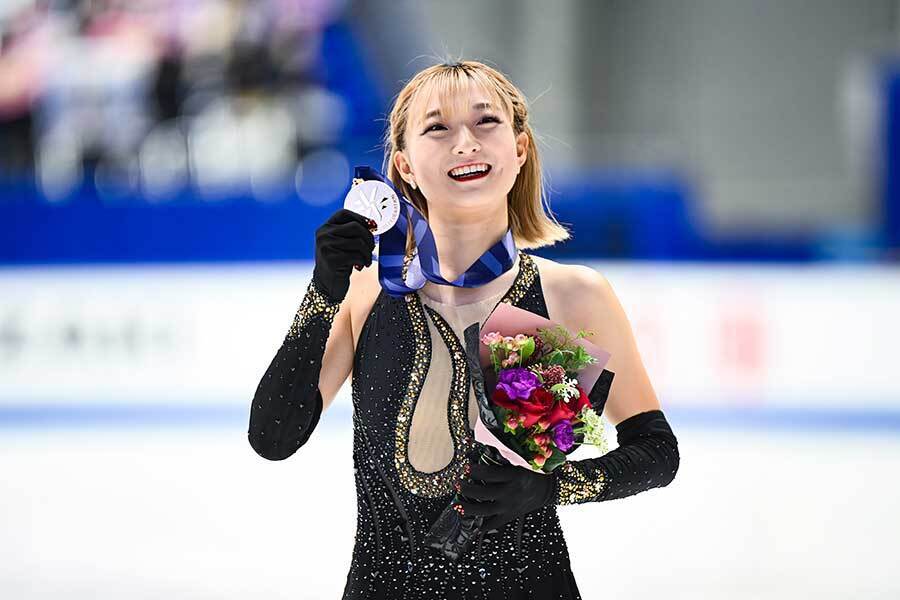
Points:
(402, 165)
(521, 148)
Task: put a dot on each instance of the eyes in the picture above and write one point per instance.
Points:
(485, 119)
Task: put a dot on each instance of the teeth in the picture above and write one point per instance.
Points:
(470, 169)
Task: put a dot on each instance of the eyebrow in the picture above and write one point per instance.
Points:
(436, 112)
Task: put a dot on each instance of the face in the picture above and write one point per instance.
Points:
(479, 134)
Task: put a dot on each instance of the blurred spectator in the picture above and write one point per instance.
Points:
(150, 96)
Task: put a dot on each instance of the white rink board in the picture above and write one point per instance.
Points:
(737, 336)
(138, 508)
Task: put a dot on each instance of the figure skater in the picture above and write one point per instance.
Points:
(461, 149)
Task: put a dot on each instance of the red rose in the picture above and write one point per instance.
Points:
(500, 398)
(536, 406)
(581, 401)
(542, 406)
(561, 411)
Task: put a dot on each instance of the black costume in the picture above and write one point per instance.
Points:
(527, 557)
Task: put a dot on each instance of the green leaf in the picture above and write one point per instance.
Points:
(554, 460)
(527, 349)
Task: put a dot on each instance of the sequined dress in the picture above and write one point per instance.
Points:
(397, 502)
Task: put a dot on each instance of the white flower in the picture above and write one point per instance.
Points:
(568, 390)
(593, 433)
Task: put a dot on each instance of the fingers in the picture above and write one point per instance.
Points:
(367, 263)
(345, 216)
(476, 491)
(491, 473)
(347, 231)
(351, 252)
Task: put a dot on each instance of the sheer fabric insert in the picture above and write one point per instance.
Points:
(430, 444)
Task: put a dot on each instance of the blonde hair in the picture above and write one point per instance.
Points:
(532, 226)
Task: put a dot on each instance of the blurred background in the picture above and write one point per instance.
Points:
(733, 169)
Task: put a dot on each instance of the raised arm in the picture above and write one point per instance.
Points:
(316, 354)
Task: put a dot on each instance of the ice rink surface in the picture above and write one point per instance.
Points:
(133, 512)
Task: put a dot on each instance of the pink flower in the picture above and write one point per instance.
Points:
(511, 360)
(512, 421)
(493, 337)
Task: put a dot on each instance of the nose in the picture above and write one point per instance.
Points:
(466, 142)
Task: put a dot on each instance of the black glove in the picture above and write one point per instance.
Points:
(345, 240)
(647, 457)
(508, 492)
(287, 404)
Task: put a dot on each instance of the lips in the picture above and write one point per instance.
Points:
(473, 175)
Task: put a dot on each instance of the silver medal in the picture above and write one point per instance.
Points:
(376, 200)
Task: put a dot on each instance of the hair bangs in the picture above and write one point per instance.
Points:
(452, 91)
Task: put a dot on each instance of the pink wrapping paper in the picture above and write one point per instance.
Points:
(510, 320)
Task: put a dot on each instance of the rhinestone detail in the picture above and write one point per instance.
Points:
(315, 302)
(440, 483)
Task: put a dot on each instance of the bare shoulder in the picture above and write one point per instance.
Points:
(561, 272)
(558, 280)
(579, 297)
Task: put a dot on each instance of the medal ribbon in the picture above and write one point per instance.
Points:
(425, 265)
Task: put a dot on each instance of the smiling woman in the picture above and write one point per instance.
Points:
(458, 116)
(460, 148)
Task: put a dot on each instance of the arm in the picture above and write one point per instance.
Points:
(317, 353)
(285, 424)
(288, 402)
(647, 456)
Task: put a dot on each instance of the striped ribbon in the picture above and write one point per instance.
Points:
(425, 265)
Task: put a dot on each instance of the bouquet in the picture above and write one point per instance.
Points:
(532, 404)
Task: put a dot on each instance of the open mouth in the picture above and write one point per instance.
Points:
(470, 172)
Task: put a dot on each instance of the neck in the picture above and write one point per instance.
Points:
(460, 240)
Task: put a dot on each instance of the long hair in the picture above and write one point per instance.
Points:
(532, 226)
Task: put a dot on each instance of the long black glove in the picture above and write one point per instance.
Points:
(287, 404)
(647, 457)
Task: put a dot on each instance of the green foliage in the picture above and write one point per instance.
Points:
(527, 349)
(554, 460)
(566, 353)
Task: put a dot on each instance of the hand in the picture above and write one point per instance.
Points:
(507, 492)
(343, 242)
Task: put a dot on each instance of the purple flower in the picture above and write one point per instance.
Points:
(563, 436)
(518, 383)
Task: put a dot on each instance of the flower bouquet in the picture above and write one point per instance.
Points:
(529, 376)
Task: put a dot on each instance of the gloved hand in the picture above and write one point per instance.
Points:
(343, 242)
(502, 493)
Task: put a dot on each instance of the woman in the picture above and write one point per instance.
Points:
(460, 148)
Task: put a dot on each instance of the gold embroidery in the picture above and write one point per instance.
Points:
(577, 486)
(314, 303)
(440, 483)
